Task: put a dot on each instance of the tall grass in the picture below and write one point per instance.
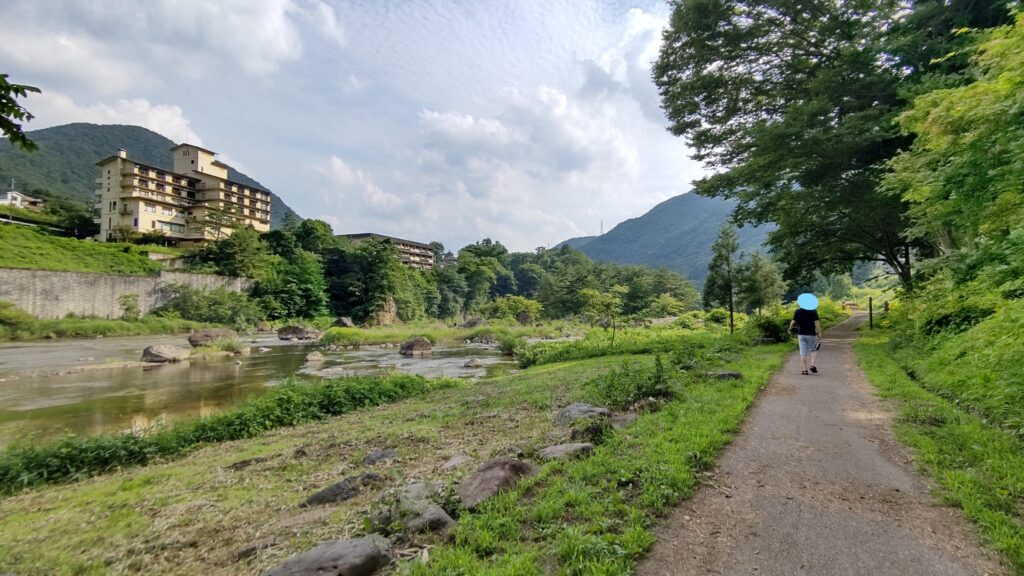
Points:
(18, 325)
(74, 458)
(438, 333)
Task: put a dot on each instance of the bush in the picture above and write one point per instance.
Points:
(717, 316)
(220, 306)
(774, 326)
(75, 458)
(630, 383)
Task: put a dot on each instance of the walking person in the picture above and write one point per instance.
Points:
(808, 329)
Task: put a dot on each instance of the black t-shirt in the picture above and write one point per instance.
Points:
(805, 321)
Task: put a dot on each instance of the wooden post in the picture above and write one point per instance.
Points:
(871, 313)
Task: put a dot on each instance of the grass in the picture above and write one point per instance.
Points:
(18, 325)
(75, 458)
(29, 215)
(978, 465)
(23, 247)
(438, 333)
(191, 516)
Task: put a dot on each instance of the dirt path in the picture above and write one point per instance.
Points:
(815, 484)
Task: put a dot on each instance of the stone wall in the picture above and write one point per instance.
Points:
(49, 294)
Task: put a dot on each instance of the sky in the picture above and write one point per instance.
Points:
(528, 122)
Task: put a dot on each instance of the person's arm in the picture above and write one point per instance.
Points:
(817, 328)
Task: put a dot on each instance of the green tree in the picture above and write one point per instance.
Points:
(759, 283)
(314, 235)
(793, 104)
(664, 305)
(604, 308)
(12, 114)
(720, 286)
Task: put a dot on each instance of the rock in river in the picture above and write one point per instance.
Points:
(314, 356)
(298, 333)
(165, 353)
(473, 363)
(357, 557)
(208, 336)
(416, 346)
(493, 476)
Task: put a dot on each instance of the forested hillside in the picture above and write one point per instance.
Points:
(676, 234)
(65, 164)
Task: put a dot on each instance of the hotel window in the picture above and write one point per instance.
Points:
(167, 211)
(151, 208)
(171, 227)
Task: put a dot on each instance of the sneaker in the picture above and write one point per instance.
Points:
(814, 370)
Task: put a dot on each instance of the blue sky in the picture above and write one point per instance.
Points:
(527, 122)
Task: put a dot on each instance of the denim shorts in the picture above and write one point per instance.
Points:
(807, 344)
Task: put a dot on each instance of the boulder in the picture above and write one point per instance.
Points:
(417, 346)
(456, 461)
(298, 333)
(387, 315)
(524, 318)
(379, 456)
(473, 363)
(356, 557)
(165, 353)
(492, 477)
(486, 339)
(724, 375)
(347, 489)
(413, 510)
(314, 356)
(344, 322)
(208, 336)
(566, 451)
(580, 411)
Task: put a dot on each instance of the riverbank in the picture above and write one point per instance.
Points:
(18, 326)
(195, 515)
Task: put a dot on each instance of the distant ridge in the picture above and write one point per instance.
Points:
(676, 234)
(65, 164)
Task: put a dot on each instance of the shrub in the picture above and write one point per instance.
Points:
(717, 316)
(774, 326)
(630, 383)
(129, 304)
(220, 306)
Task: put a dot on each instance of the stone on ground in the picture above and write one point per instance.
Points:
(356, 557)
(492, 477)
(298, 333)
(580, 411)
(208, 336)
(457, 461)
(566, 451)
(412, 507)
(254, 547)
(347, 489)
(417, 345)
(344, 322)
(379, 456)
(165, 353)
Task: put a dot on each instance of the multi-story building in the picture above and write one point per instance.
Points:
(414, 254)
(193, 203)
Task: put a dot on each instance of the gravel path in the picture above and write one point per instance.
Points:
(816, 484)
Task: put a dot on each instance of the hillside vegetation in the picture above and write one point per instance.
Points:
(65, 163)
(27, 247)
(676, 234)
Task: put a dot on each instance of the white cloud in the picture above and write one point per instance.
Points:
(353, 188)
(53, 108)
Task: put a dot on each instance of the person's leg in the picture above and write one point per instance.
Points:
(805, 349)
(812, 356)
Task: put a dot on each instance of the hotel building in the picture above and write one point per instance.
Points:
(413, 254)
(193, 203)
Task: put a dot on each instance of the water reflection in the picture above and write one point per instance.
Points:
(136, 398)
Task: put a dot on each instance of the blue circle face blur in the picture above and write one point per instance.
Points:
(807, 301)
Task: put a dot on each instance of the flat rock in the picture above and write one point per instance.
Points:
(379, 456)
(356, 557)
(580, 411)
(347, 489)
(165, 353)
(414, 346)
(620, 421)
(208, 336)
(457, 461)
(492, 477)
(566, 451)
(254, 547)
(724, 375)
(412, 508)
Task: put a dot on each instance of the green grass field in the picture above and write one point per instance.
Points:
(592, 516)
(977, 463)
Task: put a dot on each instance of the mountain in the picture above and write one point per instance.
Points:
(676, 234)
(65, 164)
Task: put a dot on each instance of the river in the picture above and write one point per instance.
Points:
(52, 388)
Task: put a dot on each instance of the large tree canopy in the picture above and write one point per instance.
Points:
(793, 103)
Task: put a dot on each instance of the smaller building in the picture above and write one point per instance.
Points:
(20, 200)
(414, 254)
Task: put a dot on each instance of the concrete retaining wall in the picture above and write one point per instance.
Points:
(48, 294)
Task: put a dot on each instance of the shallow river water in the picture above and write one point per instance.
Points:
(56, 387)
